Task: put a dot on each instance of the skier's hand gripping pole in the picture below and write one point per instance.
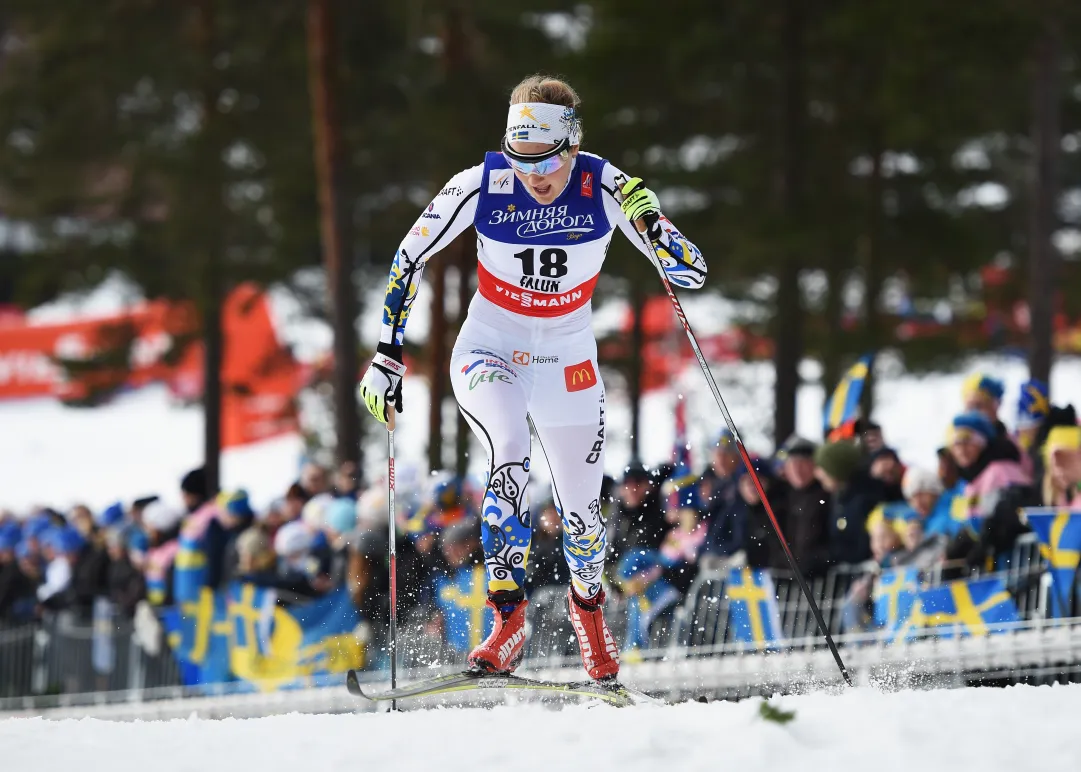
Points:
(641, 207)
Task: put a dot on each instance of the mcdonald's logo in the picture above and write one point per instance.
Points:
(580, 377)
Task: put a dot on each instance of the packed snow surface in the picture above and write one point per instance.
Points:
(1017, 728)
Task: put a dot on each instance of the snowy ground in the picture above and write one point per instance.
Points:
(1018, 728)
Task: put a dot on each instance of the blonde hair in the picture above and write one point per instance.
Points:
(552, 91)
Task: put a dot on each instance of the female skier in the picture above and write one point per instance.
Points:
(544, 213)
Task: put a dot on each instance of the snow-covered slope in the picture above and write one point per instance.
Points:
(992, 730)
(139, 444)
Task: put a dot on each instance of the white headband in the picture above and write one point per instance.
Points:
(542, 122)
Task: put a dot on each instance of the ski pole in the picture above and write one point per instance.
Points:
(642, 228)
(393, 557)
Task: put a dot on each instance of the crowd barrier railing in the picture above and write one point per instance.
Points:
(65, 654)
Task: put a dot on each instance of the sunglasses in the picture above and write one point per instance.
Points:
(540, 163)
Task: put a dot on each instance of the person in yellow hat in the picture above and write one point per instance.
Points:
(1062, 480)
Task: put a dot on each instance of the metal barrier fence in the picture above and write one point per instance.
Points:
(65, 655)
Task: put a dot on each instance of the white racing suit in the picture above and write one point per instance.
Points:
(526, 351)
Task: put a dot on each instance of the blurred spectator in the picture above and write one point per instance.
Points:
(853, 494)
(1056, 416)
(16, 588)
(295, 499)
(719, 479)
(641, 577)
(314, 479)
(547, 565)
(162, 524)
(1062, 481)
(60, 547)
(298, 569)
(90, 572)
(457, 594)
(983, 394)
(685, 540)
(886, 467)
(256, 561)
(1033, 408)
(996, 486)
(345, 480)
(193, 489)
(233, 516)
(82, 519)
(339, 521)
(638, 520)
(126, 584)
(869, 435)
(760, 543)
(928, 502)
(807, 506)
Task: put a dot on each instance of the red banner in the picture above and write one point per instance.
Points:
(156, 341)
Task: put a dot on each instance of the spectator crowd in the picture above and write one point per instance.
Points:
(851, 501)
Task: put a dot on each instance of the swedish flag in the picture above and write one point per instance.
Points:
(753, 616)
(274, 646)
(844, 404)
(963, 608)
(462, 599)
(1059, 532)
(894, 596)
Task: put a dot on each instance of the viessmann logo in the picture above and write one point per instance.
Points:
(580, 377)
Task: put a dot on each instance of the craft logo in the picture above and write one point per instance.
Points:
(580, 377)
(430, 215)
(500, 181)
(587, 184)
(419, 230)
(451, 190)
(598, 444)
(521, 358)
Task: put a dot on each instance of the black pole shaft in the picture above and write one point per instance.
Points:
(678, 308)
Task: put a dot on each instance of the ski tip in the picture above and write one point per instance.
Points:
(352, 684)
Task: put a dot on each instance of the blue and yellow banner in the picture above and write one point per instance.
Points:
(753, 615)
(1059, 532)
(975, 607)
(894, 597)
(844, 405)
(462, 599)
(243, 634)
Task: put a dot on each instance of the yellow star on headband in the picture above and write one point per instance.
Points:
(527, 112)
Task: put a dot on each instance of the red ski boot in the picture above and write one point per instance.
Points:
(599, 654)
(502, 650)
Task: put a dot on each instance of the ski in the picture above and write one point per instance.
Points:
(614, 694)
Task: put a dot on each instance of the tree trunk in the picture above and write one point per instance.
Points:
(208, 208)
(466, 260)
(1043, 258)
(788, 318)
(634, 369)
(833, 342)
(872, 273)
(334, 224)
(213, 356)
(437, 361)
